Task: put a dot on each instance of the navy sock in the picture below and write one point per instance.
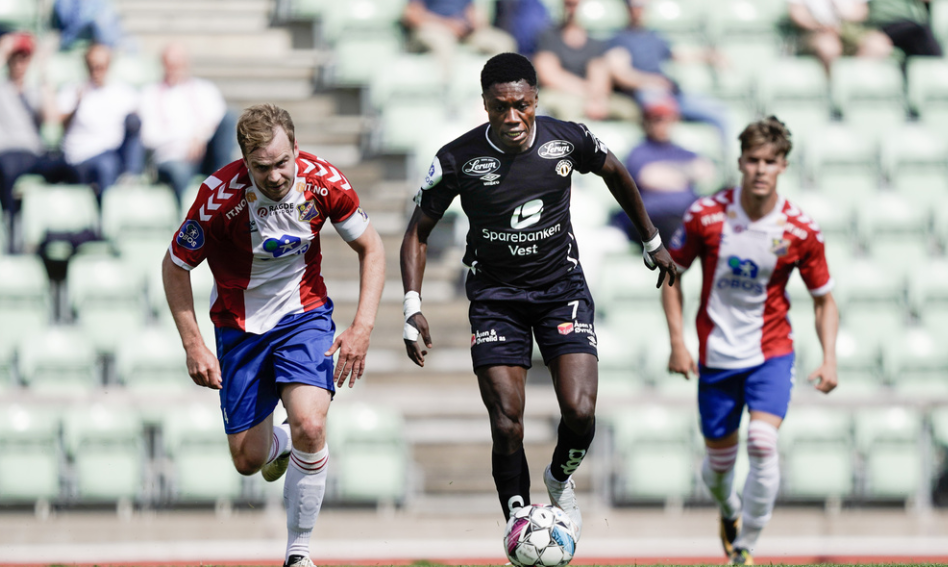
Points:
(509, 472)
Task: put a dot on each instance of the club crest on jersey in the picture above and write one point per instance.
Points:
(565, 328)
(363, 214)
(251, 197)
(286, 244)
(780, 246)
(480, 166)
(191, 235)
(555, 149)
(308, 211)
(564, 167)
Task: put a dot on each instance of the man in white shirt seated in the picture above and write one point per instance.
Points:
(185, 123)
(101, 127)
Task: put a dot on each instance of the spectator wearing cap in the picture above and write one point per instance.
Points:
(573, 75)
(666, 173)
(22, 112)
(102, 130)
(185, 123)
(636, 58)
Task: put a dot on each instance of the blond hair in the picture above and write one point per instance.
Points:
(768, 130)
(256, 124)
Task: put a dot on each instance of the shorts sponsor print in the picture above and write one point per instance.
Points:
(505, 321)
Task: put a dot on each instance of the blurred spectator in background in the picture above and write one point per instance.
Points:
(92, 20)
(832, 28)
(907, 24)
(22, 111)
(524, 20)
(185, 123)
(665, 173)
(102, 132)
(439, 25)
(636, 60)
(574, 78)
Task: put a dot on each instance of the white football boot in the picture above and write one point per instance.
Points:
(563, 495)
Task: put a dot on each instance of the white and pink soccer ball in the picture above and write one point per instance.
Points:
(540, 534)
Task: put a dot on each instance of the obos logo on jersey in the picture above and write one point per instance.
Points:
(286, 244)
(434, 174)
(743, 276)
(191, 235)
(678, 239)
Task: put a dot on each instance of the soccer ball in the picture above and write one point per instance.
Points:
(540, 535)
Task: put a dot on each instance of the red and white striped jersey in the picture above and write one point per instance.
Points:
(264, 254)
(742, 320)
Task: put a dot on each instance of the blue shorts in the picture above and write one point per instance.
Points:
(722, 394)
(504, 321)
(252, 365)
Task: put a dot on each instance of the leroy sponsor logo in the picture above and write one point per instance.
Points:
(555, 149)
(480, 166)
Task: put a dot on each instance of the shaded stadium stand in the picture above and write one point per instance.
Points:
(107, 299)
(891, 443)
(57, 208)
(25, 304)
(819, 462)
(59, 360)
(30, 456)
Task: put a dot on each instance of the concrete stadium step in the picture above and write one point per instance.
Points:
(442, 318)
(159, 19)
(268, 42)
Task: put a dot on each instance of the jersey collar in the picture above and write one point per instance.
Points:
(742, 214)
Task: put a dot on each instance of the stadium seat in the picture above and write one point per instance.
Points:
(8, 372)
(818, 451)
(139, 210)
(63, 68)
(656, 454)
(30, 453)
(198, 466)
(843, 163)
(400, 121)
(106, 446)
(915, 365)
(915, 159)
(794, 83)
(57, 208)
(891, 216)
(745, 20)
(927, 79)
(59, 360)
(25, 305)
(135, 69)
(414, 77)
(107, 298)
(939, 20)
(371, 454)
(359, 17)
(678, 19)
(20, 14)
(836, 220)
(869, 93)
(358, 58)
(603, 18)
(152, 361)
(143, 255)
(928, 295)
(619, 137)
(889, 439)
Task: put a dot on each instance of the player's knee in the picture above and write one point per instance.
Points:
(308, 432)
(761, 442)
(247, 464)
(581, 417)
(505, 430)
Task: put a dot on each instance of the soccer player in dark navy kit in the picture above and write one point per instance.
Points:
(525, 279)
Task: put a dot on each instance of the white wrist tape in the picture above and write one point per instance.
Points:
(648, 260)
(654, 244)
(410, 306)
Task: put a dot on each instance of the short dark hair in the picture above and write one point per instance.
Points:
(768, 130)
(507, 68)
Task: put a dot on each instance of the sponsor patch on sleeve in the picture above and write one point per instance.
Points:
(433, 177)
(191, 235)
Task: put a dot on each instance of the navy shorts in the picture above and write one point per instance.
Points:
(722, 394)
(504, 321)
(253, 365)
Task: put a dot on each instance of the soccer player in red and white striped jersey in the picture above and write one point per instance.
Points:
(256, 221)
(749, 239)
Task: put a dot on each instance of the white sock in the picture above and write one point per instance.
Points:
(763, 482)
(280, 445)
(303, 496)
(717, 471)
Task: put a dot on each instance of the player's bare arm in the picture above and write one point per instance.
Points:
(414, 254)
(680, 360)
(627, 194)
(353, 343)
(203, 366)
(827, 324)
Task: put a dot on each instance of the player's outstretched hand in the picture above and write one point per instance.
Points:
(203, 366)
(352, 345)
(680, 362)
(662, 260)
(417, 327)
(824, 378)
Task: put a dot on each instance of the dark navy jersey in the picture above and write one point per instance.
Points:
(517, 204)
